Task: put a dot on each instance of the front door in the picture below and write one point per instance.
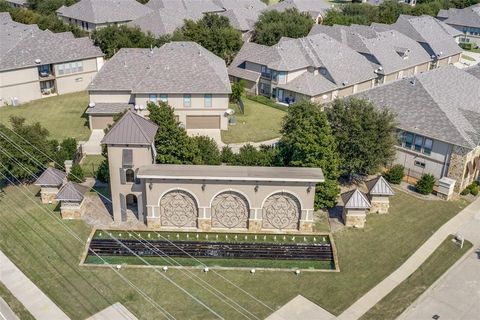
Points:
(280, 95)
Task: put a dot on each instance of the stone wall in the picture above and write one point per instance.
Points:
(379, 204)
(458, 165)
(48, 197)
(354, 218)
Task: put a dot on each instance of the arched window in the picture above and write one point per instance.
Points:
(130, 175)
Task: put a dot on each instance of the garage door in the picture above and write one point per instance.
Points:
(101, 122)
(203, 122)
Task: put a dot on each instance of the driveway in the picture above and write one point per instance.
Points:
(456, 295)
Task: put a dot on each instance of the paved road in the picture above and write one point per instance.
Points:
(5, 312)
(464, 221)
(34, 300)
(456, 295)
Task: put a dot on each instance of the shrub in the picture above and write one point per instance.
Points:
(103, 174)
(472, 188)
(208, 150)
(227, 155)
(395, 174)
(76, 174)
(467, 45)
(474, 191)
(425, 184)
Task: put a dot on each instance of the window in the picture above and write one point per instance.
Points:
(70, 67)
(282, 76)
(152, 97)
(418, 143)
(187, 100)
(164, 98)
(427, 146)
(60, 69)
(208, 100)
(265, 72)
(130, 175)
(408, 140)
(419, 164)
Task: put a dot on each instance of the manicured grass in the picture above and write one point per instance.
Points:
(16, 306)
(467, 57)
(61, 115)
(50, 257)
(410, 289)
(259, 123)
(90, 164)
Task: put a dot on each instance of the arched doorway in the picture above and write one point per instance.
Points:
(230, 210)
(281, 211)
(178, 208)
(132, 204)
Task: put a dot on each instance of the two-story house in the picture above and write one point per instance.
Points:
(438, 122)
(36, 64)
(393, 54)
(93, 14)
(436, 37)
(318, 68)
(184, 75)
(466, 21)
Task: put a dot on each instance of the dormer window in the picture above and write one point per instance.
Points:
(323, 71)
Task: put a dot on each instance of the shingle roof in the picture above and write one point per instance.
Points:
(355, 199)
(462, 17)
(23, 44)
(201, 6)
(108, 108)
(164, 21)
(131, 129)
(19, 2)
(241, 18)
(51, 177)
(379, 187)
(313, 7)
(104, 11)
(434, 104)
(202, 172)
(474, 71)
(432, 33)
(391, 50)
(72, 192)
(164, 70)
(317, 51)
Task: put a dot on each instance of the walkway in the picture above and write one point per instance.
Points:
(5, 312)
(300, 308)
(93, 145)
(456, 294)
(116, 311)
(465, 218)
(34, 300)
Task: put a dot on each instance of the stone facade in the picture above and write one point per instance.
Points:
(48, 196)
(354, 218)
(70, 211)
(458, 166)
(306, 226)
(379, 204)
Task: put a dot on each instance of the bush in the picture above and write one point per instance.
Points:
(395, 174)
(227, 155)
(474, 191)
(208, 150)
(76, 174)
(103, 174)
(467, 45)
(425, 184)
(472, 188)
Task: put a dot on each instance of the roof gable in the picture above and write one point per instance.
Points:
(51, 177)
(380, 187)
(72, 191)
(355, 200)
(131, 129)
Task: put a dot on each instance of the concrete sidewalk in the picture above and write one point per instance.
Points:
(300, 308)
(5, 312)
(464, 218)
(34, 300)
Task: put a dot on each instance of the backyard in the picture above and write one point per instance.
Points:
(61, 115)
(259, 123)
(30, 237)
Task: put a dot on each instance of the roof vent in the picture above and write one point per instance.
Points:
(38, 61)
(413, 81)
(91, 105)
(344, 83)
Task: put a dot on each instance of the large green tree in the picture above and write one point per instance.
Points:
(365, 135)
(307, 141)
(112, 38)
(272, 25)
(173, 144)
(214, 33)
(208, 152)
(25, 150)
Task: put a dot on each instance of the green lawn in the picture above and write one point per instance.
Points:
(61, 115)
(50, 257)
(259, 123)
(14, 304)
(467, 57)
(90, 164)
(410, 289)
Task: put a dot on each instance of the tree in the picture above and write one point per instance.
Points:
(307, 141)
(24, 151)
(365, 135)
(425, 184)
(103, 173)
(395, 174)
(208, 150)
(248, 155)
(76, 174)
(273, 24)
(227, 155)
(112, 38)
(214, 33)
(173, 144)
(65, 151)
(237, 91)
